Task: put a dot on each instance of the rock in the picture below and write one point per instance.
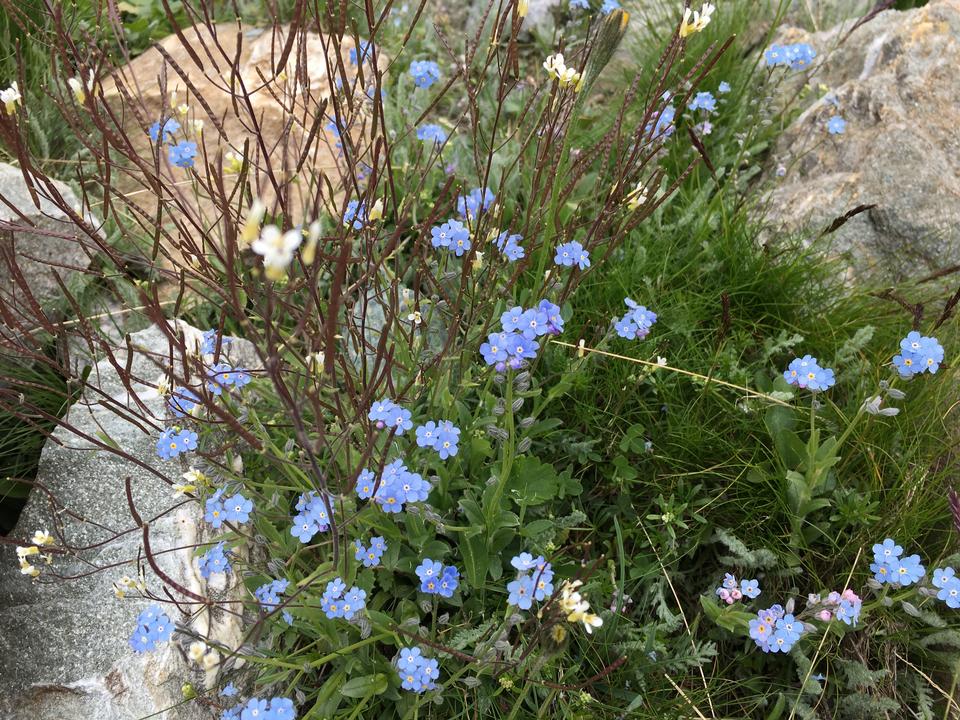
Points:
(896, 86)
(63, 644)
(275, 125)
(43, 240)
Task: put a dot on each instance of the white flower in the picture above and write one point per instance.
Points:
(197, 650)
(25, 552)
(415, 317)
(233, 162)
(211, 660)
(28, 569)
(522, 7)
(557, 68)
(637, 197)
(42, 537)
(661, 361)
(181, 489)
(276, 249)
(80, 88)
(313, 236)
(694, 22)
(251, 226)
(10, 97)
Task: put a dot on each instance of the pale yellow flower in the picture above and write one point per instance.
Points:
(10, 97)
(251, 226)
(694, 22)
(42, 537)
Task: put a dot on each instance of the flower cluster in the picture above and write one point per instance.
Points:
(398, 486)
(312, 517)
(636, 322)
(370, 556)
(509, 246)
(557, 68)
(235, 509)
(386, 413)
(338, 602)
(775, 631)
(222, 376)
(215, 560)
(576, 608)
(437, 579)
(181, 153)
(703, 101)
(424, 72)
(694, 22)
(795, 57)
(844, 606)
(432, 133)
(174, 441)
(41, 538)
(417, 673)
(889, 567)
(918, 353)
(441, 436)
(153, 627)
(10, 97)
(451, 235)
(528, 587)
(268, 595)
(278, 708)
(182, 402)
(948, 583)
(516, 342)
(475, 202)
(806, 373)
(730, 592)
(570, 254)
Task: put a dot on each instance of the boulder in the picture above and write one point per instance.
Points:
(63, 643)
(40, 238)
(894, 81)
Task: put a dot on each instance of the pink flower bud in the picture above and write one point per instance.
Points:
(824, 615)
(736, 594)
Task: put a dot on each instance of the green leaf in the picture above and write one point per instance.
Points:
(532, 482)
(363, 686)
(473, 549)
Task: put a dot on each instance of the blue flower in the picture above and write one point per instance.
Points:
(209, 344)
(237, 508)
(182, 401)
(427, 434)
(313, 517)
(173, 442)
(609, 6)
(425, 73)
(750, 588)
(636, 322)
(387, 413)
(525, 561)
(255, 709)
(449, 581)
(795, 56)
(215, 513)
(941, 577)
(791, 627)
(365, 484)
(268, 595)
(452, 235)
(229, 690)
(533, 324)
(417, 673)
(579, 4)
(476, 201)
(918, 353)
(170, 126)
(494, 351)
(448, 436)
(521, 592)
(365, 52)
(703, 101)
(520, 348)
(223, 375)
(848, 611)
(281, 709)
(836, 125)
(510, 319)
(215, 560)
(153, 627)
(950, 593)
(572, 253)
(723, 88)
(183, 153)
(432, 133)
(509, 245)
(883, 572)
(664, 126)
(370, 556)
(887, 551)
(806, 373)
(907, 570)
(356, 215)
(554, 320)
(429, 569)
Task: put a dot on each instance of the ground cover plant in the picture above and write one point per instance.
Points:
(537, 423)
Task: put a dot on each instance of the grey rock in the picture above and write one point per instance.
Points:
(63, 643)
(43, 239)
(896, 85)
